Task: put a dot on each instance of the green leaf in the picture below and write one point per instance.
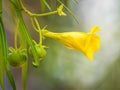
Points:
(1, 61)
(1, 71)
(10, 76)
(1, 53)
(47, 5)
(23, 45)
(75, 1)
(5, 53)
(42, 6)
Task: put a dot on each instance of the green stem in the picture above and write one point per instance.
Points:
(33, 25)
(15, 35)
(37, 23)
(34, 14)
(44, 14)
(40, 35)
(39, 30)
(24, 75)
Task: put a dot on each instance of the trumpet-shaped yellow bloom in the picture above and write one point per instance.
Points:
(59, 10)
(88, 43)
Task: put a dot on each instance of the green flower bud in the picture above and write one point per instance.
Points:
(40, 50)
(17, 59)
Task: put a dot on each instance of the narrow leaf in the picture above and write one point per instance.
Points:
(5, 53)
(75, 1)
(42, 6)
(1, 61)
(1, 53)
(23, 45)
(47, 5)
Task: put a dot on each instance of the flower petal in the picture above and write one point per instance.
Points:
(88, 43)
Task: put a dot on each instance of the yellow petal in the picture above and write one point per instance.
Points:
(88, 43)
(92, 46)
(89, 54)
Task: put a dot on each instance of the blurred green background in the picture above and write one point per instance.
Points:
(65, 69)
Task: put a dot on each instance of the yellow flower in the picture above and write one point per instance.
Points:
(88, 43)
(59, 10)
